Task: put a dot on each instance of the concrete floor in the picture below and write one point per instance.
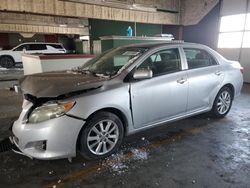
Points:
(195, 152)
(10, 74)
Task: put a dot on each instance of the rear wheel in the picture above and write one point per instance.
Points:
(7, 62)
(222, 103)
(101, 136)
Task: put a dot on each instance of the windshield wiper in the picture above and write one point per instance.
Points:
(86, 71)
(83, 71)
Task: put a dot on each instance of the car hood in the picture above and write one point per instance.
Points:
(55, 84)
(4, 51)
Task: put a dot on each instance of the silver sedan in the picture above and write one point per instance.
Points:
(128, 89)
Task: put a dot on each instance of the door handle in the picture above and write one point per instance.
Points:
(218, 73)
(181, 80)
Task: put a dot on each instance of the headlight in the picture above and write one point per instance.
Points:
(49, 111)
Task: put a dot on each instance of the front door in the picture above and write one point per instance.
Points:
(165, 95)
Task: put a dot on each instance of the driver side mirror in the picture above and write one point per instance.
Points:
(141, 74)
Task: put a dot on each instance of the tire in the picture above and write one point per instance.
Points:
(93, 140)
(222, 103)
(7, 62)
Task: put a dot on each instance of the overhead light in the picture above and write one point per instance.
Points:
(117, 4)
(27, 35)
(143, 8)
(125, 5)
(62, 25)
(84, 37)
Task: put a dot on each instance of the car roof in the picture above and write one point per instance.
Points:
(40, 43)
(161, 44)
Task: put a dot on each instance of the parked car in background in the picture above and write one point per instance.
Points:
(9, 58)
(123, 91)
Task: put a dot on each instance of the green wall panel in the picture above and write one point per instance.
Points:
(113, 43)
(148, 29)
(101, 28)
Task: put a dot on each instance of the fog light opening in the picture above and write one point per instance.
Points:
(39, 145)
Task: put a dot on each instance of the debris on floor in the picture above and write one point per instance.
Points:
(51, 172)
(139, 154)
(120, 163)
(116, 163)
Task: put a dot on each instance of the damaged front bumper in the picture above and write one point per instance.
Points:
(52, 139)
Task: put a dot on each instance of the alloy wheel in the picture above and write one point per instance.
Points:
(103, 137)
(224, 102)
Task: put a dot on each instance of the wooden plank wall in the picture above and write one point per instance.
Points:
(20, 28)
(70, 9)
(17, 22)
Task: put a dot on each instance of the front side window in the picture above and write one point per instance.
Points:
(111, 62)
(197, 58)
(163, 62)
(22, 47)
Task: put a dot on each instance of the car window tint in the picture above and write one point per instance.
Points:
(197, 58)
(23, 47)
(57, 46)
(38, 47)
(20, 48)
(163, 62)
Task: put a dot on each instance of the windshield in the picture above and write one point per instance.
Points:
(111, 62)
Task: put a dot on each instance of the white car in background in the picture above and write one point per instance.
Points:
(9, 58)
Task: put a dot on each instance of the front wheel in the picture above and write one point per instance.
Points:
(7, 62)
(101, 136)
(222, 103)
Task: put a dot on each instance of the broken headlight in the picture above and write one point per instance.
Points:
(49, 111)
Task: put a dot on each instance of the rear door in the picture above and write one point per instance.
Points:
(55, 49)
(37, 49)
(204, 76)
(165, 95)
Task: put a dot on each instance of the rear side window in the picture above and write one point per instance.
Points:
(197, 58)
(57, 46)
(163, 62)
(38, 47)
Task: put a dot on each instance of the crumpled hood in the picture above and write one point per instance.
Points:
(54, 84)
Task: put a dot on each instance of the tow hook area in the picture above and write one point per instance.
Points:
(6, 145)
(15, 149)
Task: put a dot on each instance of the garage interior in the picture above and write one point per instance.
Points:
(196, 152)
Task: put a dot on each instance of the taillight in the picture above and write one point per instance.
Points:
(242, 69)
